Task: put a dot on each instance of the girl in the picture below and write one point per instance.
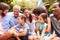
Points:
(41, 25)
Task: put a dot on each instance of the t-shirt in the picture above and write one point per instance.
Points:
(25, 26)
(55, 25)
(41, 26)
(31, 27)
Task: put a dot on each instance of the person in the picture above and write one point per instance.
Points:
(41, 25)
(6, 19)
(21, 28)
(55, 22)
(26, 11)
(31, 22)
(4, 34)
(38, 10)
(15, 13)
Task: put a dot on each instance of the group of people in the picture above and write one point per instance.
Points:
(35, 25)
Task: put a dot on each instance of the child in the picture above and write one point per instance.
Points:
(41, 25)
(21, 28)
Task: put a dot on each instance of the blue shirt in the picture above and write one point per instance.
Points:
(7, 22)
(15, 20)
(25, 26)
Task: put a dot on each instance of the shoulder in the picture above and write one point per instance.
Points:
(10, 13)
(51, 15)
(45, 24)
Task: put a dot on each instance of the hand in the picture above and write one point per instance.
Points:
(21, 30)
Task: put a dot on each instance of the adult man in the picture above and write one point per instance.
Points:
(55, 21)
(4, 26)
(15, 13)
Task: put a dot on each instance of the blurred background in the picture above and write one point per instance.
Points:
(30, 3)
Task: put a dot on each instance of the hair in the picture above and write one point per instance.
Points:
(4, 6)
(39, 10)
(25, 8)
(30, 17)
(23, 17)
(17, 7)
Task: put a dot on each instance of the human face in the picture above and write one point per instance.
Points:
(20, 21)
(16, 12)
(40, 20)
(26, 12)
(56, 9)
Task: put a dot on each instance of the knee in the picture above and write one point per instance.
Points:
(30, 38)
(35, 38)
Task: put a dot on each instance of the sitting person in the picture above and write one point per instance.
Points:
(21, 28)
(31, 22)
(41, 26)
(4, 25)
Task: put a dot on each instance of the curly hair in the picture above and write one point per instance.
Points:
(39, 10)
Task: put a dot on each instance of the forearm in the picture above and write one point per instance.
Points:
(43, 31)
(49, 25)
(5, 36)
(23, 33)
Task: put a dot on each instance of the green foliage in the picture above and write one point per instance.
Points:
(50, 9)
(25, 3)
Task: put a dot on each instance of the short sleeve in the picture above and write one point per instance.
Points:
(37, 25)
(44, 25)
(26, 26)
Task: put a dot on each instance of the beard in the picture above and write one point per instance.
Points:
(3, 14)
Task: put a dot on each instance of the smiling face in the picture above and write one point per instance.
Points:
(56, 9)
(16, 12)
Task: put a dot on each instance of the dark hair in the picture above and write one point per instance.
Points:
(30, 17)
(44, 15)
(25, 8)
(39, 10)
(4, 6)
(23, 17)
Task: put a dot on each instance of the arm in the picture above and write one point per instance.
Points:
(49, 25)
(23, 32)
(5, 35)
(43, 31)
(36, 30)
